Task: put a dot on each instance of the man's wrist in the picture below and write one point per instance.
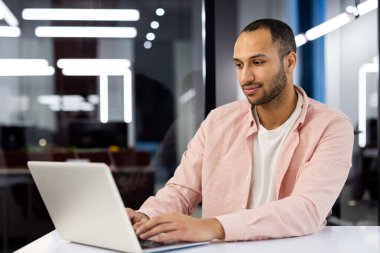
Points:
(217, 229)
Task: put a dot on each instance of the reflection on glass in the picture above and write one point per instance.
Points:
(77, 83)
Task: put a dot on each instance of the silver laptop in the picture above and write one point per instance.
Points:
(85, 206)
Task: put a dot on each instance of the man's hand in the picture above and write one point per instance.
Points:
(175, 227)
(136, 217)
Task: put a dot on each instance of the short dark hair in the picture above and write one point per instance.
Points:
(282, 34)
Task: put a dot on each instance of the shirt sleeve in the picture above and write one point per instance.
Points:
(318, 185)
(182, 193)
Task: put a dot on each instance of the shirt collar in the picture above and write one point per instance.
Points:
(301, 120)
(305, 105)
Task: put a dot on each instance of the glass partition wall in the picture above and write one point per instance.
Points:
(118, 81)
(352, 81)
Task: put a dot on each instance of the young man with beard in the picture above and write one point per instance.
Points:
(270, 166)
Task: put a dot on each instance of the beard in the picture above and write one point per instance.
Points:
(277, 85)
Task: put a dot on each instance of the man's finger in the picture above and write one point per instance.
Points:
(169, 237)
(131, 213)
(148, 225)
(139, 224)
(161, 228)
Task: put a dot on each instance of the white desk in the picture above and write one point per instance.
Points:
(330, 239)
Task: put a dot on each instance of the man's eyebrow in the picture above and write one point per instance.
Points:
(253, 57)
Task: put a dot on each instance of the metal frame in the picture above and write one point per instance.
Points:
(209, 46)
(378, 125)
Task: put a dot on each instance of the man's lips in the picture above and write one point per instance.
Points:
(250, 89)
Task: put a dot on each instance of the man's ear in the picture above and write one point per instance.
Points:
(291, 60)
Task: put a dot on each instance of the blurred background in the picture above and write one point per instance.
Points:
(128, 82)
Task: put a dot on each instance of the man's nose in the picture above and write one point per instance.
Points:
(246, 76)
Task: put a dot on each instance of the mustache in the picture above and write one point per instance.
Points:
(251, 84)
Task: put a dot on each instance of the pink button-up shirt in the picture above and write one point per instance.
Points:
(311, 170)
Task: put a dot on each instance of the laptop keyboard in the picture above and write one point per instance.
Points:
(148, 244)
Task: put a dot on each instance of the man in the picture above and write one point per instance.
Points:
(270, 166)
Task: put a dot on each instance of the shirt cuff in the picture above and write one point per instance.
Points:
(234, 226)
(148, 212)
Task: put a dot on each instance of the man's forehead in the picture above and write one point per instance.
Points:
(261, 32)
(252, 43)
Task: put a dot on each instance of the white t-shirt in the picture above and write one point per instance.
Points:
(266, 146)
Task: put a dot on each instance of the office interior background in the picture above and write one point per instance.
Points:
(129, 87)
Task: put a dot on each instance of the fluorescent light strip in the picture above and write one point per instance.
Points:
(103, 93)
(81, 14)
(300, 39)
(127, 89)
(85, 32)
(93, 67)
(25, 67)
(30, 71)
(48, 99)
(7, 15)
(80, 62)
(14, 62)
(336, 22)
(367, 6)
(96, 71)
(9, 31)
(362, 117)
(328, 26)
(66, 102)
(103, 68)
(93, 99)
(72, 107)
(187, 96)
(203, 17)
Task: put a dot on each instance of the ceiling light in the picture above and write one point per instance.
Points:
(93, 67)
(93, 99)
(31, 71)
(103, 94)
(328, 26)
(352, 10)
(160, 12)
(336, 22)
(154, 24)
(128, 96)
(367, 6)
(187, 96)
(25, 67)
(362, 105)
(147, 44)
(14, 62)
(66, 102)
(9, 31)
(103, 68)
(300, 39)
(48, 99)
(85, 32)
(103, 63)
(7, 15)
(150, 36)
(82, 14)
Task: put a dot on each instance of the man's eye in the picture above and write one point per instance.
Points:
(238, 65)
(258, 62)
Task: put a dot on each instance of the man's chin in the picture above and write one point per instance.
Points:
(253, 101)
(257, 101)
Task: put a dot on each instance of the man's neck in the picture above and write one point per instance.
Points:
(279, 110)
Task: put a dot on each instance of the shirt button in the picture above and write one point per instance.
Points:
(247, 177)
(243, 207)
